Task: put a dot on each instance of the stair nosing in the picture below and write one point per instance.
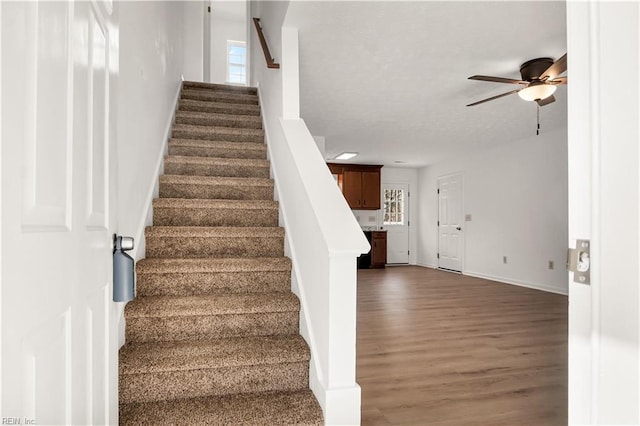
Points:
(147, 306)
(150, 266)
(221, 359)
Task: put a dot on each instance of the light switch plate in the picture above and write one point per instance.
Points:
(467, 218)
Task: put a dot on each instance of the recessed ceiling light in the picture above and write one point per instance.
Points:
(346, 155)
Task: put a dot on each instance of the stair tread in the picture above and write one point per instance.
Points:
(148, 357)
(204, 203)
(199, 265)
(213, 106)
(203, 143)
(221, 94)
(269, 408)
(215, 180)
(217, 86)
(255, 162)
(214, 231)
(206, 129)
(210, 305)
(218, 116)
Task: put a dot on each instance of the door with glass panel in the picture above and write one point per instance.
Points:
(395, 199)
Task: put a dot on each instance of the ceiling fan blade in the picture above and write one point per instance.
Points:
(557, 80)
(494, 97)
(496, 79)
(556, 69)
(546, 101)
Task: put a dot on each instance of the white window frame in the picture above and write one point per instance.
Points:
(235, 43)
(398, 203)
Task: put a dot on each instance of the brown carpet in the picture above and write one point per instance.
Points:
(213, 334)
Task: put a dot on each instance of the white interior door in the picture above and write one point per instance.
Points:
(450, 236)
(58, 334)
(395, 220)
(603, 39)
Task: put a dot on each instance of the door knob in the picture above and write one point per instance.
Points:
(458, 228)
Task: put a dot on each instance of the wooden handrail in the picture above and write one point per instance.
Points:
(267, 55)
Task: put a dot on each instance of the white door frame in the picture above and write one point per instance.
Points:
(604, 190)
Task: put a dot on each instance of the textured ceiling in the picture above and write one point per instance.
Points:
(389, 79)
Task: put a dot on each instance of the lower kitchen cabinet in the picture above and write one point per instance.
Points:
(378, 249)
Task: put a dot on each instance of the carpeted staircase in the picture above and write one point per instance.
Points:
(212, 336)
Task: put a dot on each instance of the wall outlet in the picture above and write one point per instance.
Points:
(504, 259)
(467, 218)
(358, 219)
(372, 218)
(551, 264)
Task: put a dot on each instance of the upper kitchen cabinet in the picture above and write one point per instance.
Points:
(360, 184)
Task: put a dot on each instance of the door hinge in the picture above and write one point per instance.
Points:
(408, 251)
(438, 190)
(209, 9)
(579, 262)
(438, 223)
(438, 256)
(408, 223)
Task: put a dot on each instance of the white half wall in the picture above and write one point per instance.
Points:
(516, 195)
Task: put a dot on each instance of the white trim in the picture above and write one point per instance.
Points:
(535, 286)
(427, 265)
(146, 219)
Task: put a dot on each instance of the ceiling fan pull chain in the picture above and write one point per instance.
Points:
(538, 129)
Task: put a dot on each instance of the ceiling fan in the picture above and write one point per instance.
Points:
(540, 77)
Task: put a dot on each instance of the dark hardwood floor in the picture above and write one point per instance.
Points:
(439, 348)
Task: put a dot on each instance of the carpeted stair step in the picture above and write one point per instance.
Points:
(167, 370)
(204, 317)
(210, 133)
(218, 107)
(202, 212)
(269, 408)
(219, 87)
(209, 166)
(219, 96)
(218, 120)
(214, 187)
(184, 277)
(200, 241)
(219, 149)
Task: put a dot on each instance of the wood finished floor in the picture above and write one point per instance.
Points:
(436, 348)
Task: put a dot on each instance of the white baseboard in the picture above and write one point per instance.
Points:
(535, 286)
(145, 220)
(427, 265)
(152, 192)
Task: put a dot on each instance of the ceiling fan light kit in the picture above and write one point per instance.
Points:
(537, 91)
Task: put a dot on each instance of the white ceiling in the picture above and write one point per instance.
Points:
(389, 79)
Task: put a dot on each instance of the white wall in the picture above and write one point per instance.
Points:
(391, 175)
(151, 55)
(192, 15)
(228, 22)
(517, 196)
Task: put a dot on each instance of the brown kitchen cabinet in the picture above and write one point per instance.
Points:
(360, 184)
(378, 249)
